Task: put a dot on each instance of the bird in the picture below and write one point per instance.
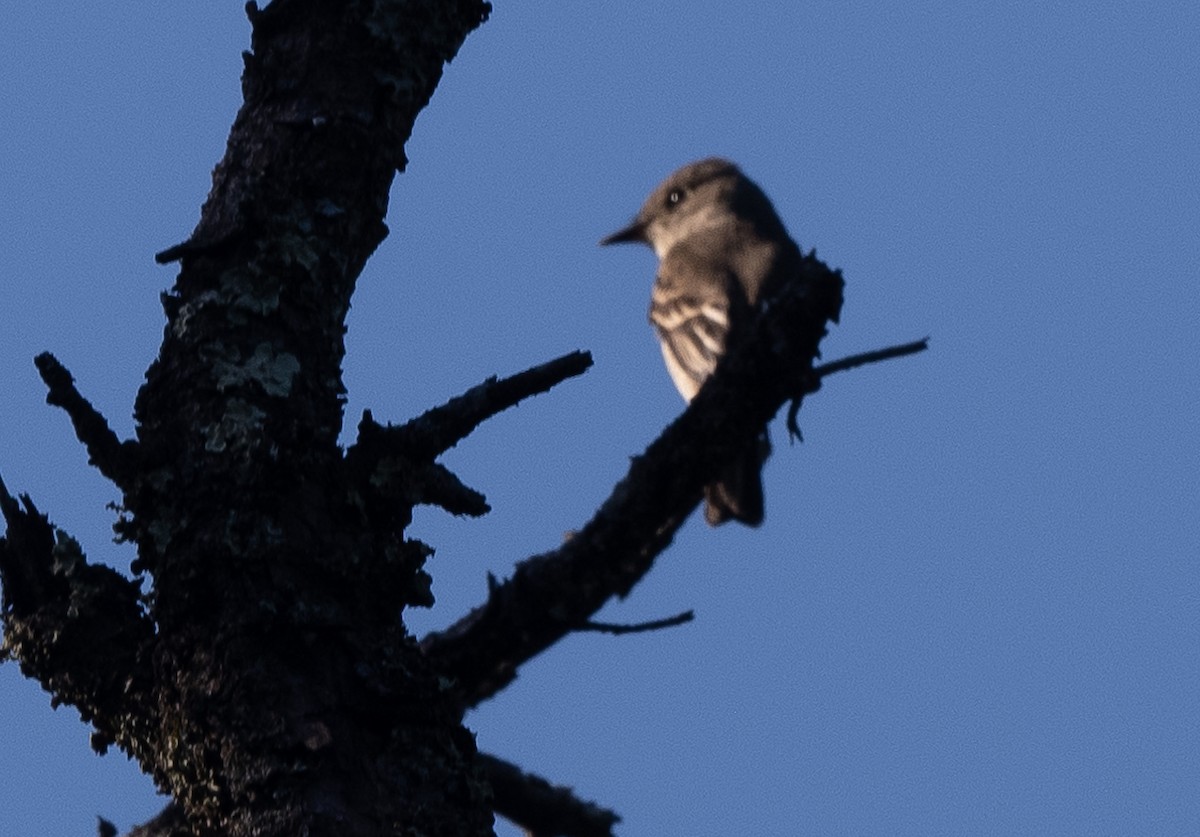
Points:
(719, 242)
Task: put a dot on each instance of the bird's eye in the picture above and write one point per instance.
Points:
(674, 198)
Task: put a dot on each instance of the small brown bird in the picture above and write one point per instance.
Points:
(719, 241)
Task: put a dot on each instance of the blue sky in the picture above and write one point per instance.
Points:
(974, 607)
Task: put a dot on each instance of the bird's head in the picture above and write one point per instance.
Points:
(701, 197)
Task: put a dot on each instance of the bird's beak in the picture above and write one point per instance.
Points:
(634, 232)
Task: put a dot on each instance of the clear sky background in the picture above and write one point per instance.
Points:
(974, 607)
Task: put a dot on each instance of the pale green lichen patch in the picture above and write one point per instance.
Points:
(271, 370)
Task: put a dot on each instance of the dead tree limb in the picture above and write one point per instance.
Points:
(552, 594)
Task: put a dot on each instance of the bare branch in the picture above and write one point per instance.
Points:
(541, 808)
(395, 464)
(871, 357)
(112, 457)
(444, 489)
(26, 557)
(825, 369)
(441, 428)
(393, 478)
(639, 627)
(553, 594)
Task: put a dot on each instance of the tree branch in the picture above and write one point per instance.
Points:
(552, 594)
(826, 369)
(441, 428)
(541, 808)
(393, 478)
(639, 627)
(876, 356)
(77, 628)
(114, 459)
(394, 468)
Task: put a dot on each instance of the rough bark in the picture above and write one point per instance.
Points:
(270, 685)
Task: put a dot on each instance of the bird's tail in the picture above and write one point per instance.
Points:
(738, 495)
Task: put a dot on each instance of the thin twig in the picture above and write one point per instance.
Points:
(639, 627)
(819, 373)
(871, 357)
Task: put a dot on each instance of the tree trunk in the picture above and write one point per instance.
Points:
(278, 693)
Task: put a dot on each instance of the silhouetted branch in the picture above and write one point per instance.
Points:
(445, 490)
(871, 357)
(394, 464)
(819, 373)
(112, 457)
(639, 627)
(552, 594)
(541, 808)
(441, 428)
(77, 628)
(26, 557)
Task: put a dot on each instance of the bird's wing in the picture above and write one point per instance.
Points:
(691, 308)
